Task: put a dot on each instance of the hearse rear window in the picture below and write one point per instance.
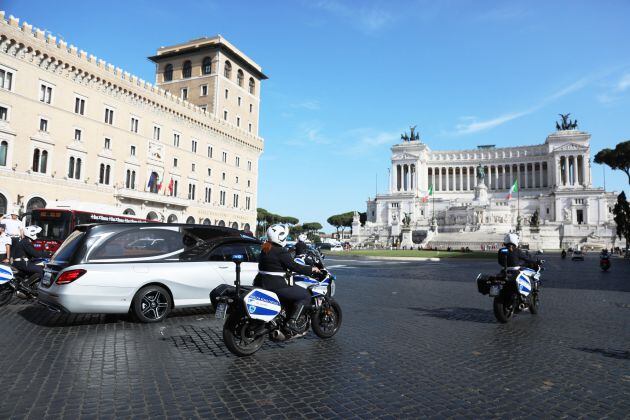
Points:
(140, 243)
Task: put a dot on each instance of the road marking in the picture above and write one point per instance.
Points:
(339, 266)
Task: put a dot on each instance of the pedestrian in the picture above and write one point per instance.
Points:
(5, 245)
(14, 227)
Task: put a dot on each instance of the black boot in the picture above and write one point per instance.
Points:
(295, 315)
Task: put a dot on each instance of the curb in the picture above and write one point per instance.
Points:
(370, 257)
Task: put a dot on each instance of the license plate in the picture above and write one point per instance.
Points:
(494, 290)
(47, 278)
(221, 310)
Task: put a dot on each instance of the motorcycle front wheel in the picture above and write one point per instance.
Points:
(502, 311)
(6, 293)
(238, 334)
(534, 305)
(327, 320)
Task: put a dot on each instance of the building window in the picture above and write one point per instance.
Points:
(235, 201)
(187, 69)
(130, 179)
(191, 191)
(204, 107)
(74, 168)
(109, 116)
(206, 66)
(240, 77)
(45, 93)
(252, 86)
(249, 127)
(251, 108)
(40, 161)
(238, 121)
(227, 93)
(236, 180)
(174, 162)
(209, 172)
(79, 106)
(249, 165)
(204, 90)
(222, 176)
(248, 203)
(224, 157)
(168, 73)
(193, 167)
(156, 132)
(4, 113)
(184, 94)
(209, 151)
(77, 134)
(225, 115)
(240, 101)
(222, 198)
(132, 150)
(134, 124)
(208, 195)
(4, 151)
(249, 183)
(6, 79)
(107, 144)
(43, 125)
(104, 173)
(227, 70)
(237, 162)
(193, 146)
(176, 139)
(173, 191)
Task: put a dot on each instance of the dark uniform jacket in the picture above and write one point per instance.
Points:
(513, 257)
(23, 248)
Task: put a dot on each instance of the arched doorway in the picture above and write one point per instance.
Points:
(246, 228)
(32, 204)
(129, 212)
(234, 225)
(152, 216)
(206, 221)
(172, 219)
(3, 205)
(221, 223)
(190, 220)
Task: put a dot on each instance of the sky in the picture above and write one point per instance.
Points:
(346, 78)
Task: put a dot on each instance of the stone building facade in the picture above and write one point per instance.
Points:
(75, 128)
(556, 202)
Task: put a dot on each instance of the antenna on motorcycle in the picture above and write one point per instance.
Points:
(238, 259)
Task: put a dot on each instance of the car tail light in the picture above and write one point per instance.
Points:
(70, 276)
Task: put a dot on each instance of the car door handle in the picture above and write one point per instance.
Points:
(224, 266)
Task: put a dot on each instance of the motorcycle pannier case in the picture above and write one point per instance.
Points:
(484, 281)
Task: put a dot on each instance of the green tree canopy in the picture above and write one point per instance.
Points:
(312, 226)
(341, 221)
(617, 158)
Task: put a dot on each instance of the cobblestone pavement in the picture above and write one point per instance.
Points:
(417, 341)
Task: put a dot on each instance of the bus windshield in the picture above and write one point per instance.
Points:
(55, 224)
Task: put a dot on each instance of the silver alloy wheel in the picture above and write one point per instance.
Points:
(154, 305)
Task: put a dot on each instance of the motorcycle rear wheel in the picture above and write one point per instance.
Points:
(502, 312)
(6, 293)
(236, 337)
(327, 320)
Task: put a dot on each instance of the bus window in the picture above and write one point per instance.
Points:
(55, 224)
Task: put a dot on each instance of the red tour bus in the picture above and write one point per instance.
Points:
(57, 224)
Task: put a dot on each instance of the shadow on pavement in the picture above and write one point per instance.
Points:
(615, 354)
(41, 316)
(459, 314)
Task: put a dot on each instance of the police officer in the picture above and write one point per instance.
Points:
(5, 245)
(514, 255)
(23, 252)
(300, 247)
(273, 264)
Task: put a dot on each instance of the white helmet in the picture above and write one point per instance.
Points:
(511, 238)
(302, 237)
(32, 231)
(277, 234)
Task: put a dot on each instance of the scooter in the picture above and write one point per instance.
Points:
(604, 262)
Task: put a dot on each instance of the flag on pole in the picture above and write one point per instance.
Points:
(152, 180)
(429, 193)
(513, 189)
(170, 187)
(159, 181)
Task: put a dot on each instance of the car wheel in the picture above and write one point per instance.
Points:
(151, 304)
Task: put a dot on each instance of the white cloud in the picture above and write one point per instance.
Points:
(368, 18)
(469, 125)
(308, 133)
(624, 83)
(615, 91)
(310, 105)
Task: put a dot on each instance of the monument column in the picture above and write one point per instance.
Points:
(540, 175)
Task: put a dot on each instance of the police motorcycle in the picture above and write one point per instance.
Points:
(18, 283)
(252, 313)
(514, 290)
